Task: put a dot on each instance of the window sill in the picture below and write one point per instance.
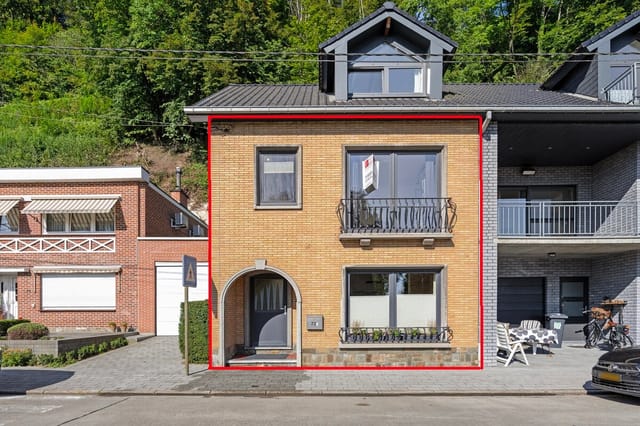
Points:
(279, 207)
(394, 346)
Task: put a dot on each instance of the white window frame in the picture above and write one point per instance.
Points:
(67, 224)
(296, 150)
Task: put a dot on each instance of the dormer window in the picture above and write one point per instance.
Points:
(389, 70)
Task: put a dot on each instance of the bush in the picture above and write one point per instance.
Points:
(118, 343)
(27, 331)
(16, 357)
(198, 331)
(5, 324)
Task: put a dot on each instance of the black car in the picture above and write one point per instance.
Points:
(618, 371)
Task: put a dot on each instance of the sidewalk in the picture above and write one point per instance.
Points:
(153, 366)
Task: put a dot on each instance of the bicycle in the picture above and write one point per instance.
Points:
(601, 327)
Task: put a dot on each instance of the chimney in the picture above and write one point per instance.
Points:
(178, 194)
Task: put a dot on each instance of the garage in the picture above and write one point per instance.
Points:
(521, 299)
(170, 293)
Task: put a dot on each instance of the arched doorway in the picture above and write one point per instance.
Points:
(260, 310)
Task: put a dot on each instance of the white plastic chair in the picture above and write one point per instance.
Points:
(507, 345)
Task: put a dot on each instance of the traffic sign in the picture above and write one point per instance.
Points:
(189, 271)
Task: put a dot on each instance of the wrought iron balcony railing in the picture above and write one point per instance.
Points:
(396, 215)
(58, 245)
(567, 218)
(364, 335)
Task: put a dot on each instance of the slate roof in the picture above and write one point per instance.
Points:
(610, 30)
(307, 98)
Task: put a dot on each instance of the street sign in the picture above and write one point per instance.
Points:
(189, 271)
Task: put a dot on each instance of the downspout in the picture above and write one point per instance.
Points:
(487, 121)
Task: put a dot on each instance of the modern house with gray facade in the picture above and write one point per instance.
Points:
(557, 193)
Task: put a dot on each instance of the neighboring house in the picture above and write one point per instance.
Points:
(82, 247)
(348, 214)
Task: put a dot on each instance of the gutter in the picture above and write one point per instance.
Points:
(201, 114)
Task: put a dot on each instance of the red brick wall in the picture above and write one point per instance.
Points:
(140, 210)
(150, 252)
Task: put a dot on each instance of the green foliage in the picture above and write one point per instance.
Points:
(27, 331)
(25, 357)
(16, 357)
(5, 324)
(198, 331)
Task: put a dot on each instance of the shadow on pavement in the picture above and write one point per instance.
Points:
(19, 381)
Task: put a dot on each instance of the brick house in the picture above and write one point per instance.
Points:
(82, 247)
(381, 203)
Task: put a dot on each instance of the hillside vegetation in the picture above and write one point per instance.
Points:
(101, 82)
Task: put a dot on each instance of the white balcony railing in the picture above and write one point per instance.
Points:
(567, 218)
(58, 245)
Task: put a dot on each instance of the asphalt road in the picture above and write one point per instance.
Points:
(37, 410)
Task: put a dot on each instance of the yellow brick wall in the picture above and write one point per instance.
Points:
(305, 243)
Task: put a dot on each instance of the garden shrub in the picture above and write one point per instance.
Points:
(16, 357)
(198, 331)
(27, 331)
(5, 324)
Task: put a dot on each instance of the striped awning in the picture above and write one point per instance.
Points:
(92, 204)
(7, 204)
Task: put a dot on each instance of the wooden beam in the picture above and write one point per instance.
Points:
(387, 26)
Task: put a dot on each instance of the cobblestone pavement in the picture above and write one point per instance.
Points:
(153, 366)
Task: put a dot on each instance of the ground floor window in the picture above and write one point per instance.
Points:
(79, 292)
(394, 298)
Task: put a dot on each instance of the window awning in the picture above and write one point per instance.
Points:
(88, 204)
(7, 204)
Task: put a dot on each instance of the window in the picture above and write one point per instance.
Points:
(79, 222)
(394, 298)
(79, 292)
(9, 223)
(387, 69)
(278, 177)
(405, 196)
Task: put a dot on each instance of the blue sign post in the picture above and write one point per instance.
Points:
(189, 279)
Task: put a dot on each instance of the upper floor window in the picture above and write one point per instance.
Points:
(9, 223)
(387, 69)
(400, 174)
(278, 182)
(79, 222)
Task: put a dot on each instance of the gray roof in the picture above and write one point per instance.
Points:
(299, 98)
(612, 29)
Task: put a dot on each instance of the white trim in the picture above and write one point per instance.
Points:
(74, 197)
(74, 269)
(74, 174)
(177, 263)
(16, 270)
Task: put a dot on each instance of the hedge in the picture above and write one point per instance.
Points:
(198, 331)
(5, 324)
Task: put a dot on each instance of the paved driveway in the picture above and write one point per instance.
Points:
(154, 366)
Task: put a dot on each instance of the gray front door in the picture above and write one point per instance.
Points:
(268, 312)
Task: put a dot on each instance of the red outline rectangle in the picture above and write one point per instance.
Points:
(329, 117)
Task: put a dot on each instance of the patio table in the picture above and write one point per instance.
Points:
(534, 336)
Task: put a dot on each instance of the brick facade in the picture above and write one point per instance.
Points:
(304, 243)
(140, 211)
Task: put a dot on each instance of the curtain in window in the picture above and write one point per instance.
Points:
(268, 295)
(80, 222)
(104, 222)
(55, 222)
(277, 178)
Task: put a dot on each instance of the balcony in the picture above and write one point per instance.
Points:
(624, 89)
(517, 218)
(58, 245)
(396, 217)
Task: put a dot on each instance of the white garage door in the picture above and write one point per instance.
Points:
(170, 293)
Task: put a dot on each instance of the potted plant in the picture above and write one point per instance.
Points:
(124, 326)
(377, 335)
(112, 326)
